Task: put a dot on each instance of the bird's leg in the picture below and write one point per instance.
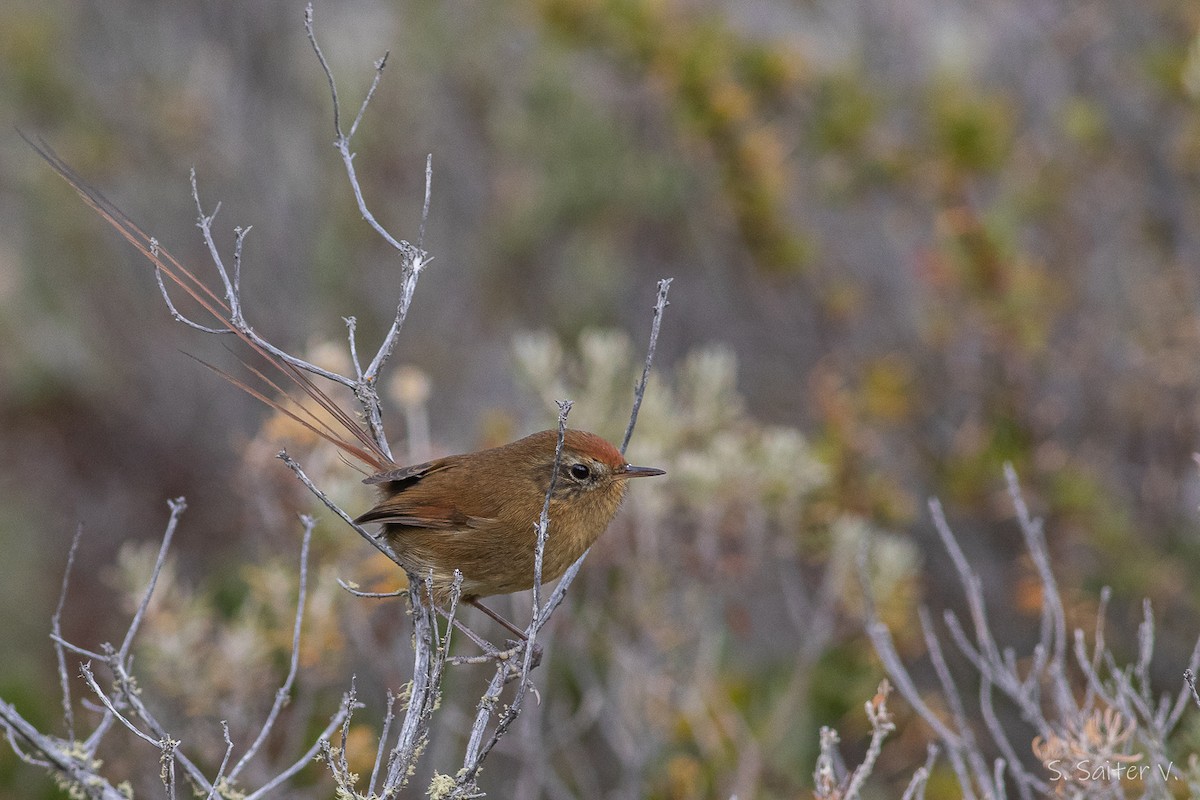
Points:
(490, 651)
(513, 628)
(482, 643)
(537, 648)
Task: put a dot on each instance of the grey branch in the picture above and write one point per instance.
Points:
(639, 391)
(79, 770)
(56, 635)
(1062, 715)
(284, 692)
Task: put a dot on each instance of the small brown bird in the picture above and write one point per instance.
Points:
(474, 513)
(477, 512)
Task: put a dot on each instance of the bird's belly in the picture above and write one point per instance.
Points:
(489, 562)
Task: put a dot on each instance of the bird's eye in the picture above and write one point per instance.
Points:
(580, 472)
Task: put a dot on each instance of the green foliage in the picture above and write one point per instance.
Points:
(33, 77)
(971, 130)
(843, 112)
(724, 89)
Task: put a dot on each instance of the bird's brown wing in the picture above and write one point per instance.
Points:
(410, 473)
(411, 503)
(427, 516)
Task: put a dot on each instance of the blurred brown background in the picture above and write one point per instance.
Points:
(937, 236)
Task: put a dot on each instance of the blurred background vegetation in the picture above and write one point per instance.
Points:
(911, 241)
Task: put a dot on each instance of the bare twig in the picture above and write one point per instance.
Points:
(542, 527)
(414, 258)
(175, 313)
(284, 691)
(881, 639)
(79, 772)
(132, 697)
(233, 300)
(1189, 676)
(425, 205)
(213, 793)
(116, 659)
(112, 709)
(166, 758)
(1115, 707)
(389, 715)
(11, 734)
(881, 726)
(334, 722)
(377, 542)
(239, 242)
(372, 595)
(342, 140)
(56, 635)
(639, 392)
(916, 787)
(429, 661)
(74, 648)
(1054, 642)
(1186, 691)
(352, 340)
(178, 506)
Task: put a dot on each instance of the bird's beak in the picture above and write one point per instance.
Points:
(630, 471)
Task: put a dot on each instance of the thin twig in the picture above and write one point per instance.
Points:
(375, 541)
(132, 696)
(343, 764)
(56, 634)
(204, 223)
(881, 725)
(284, 692)
(239, 241)
(178, 506)
(942, 670)
(213, 793)
(1025, 780)
(885, 648)
(334, 722)
(312, 39)
(117, 659)
(1054, 625)
(371, 595)
(74, 648)
(167, 749)
(425, 205)
(388, 716)
(639, 392)
(916, 787)
(414, 258)
(972, 585)
(77, 772)
(568, 577)
(342, 140)
(175, 313)
(11, 734)
(1189, 688)
(542, 527)
(379, 65)
(86, 670)
(430, 651)
(233, 300)
(1190, 677)
(351, 336)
